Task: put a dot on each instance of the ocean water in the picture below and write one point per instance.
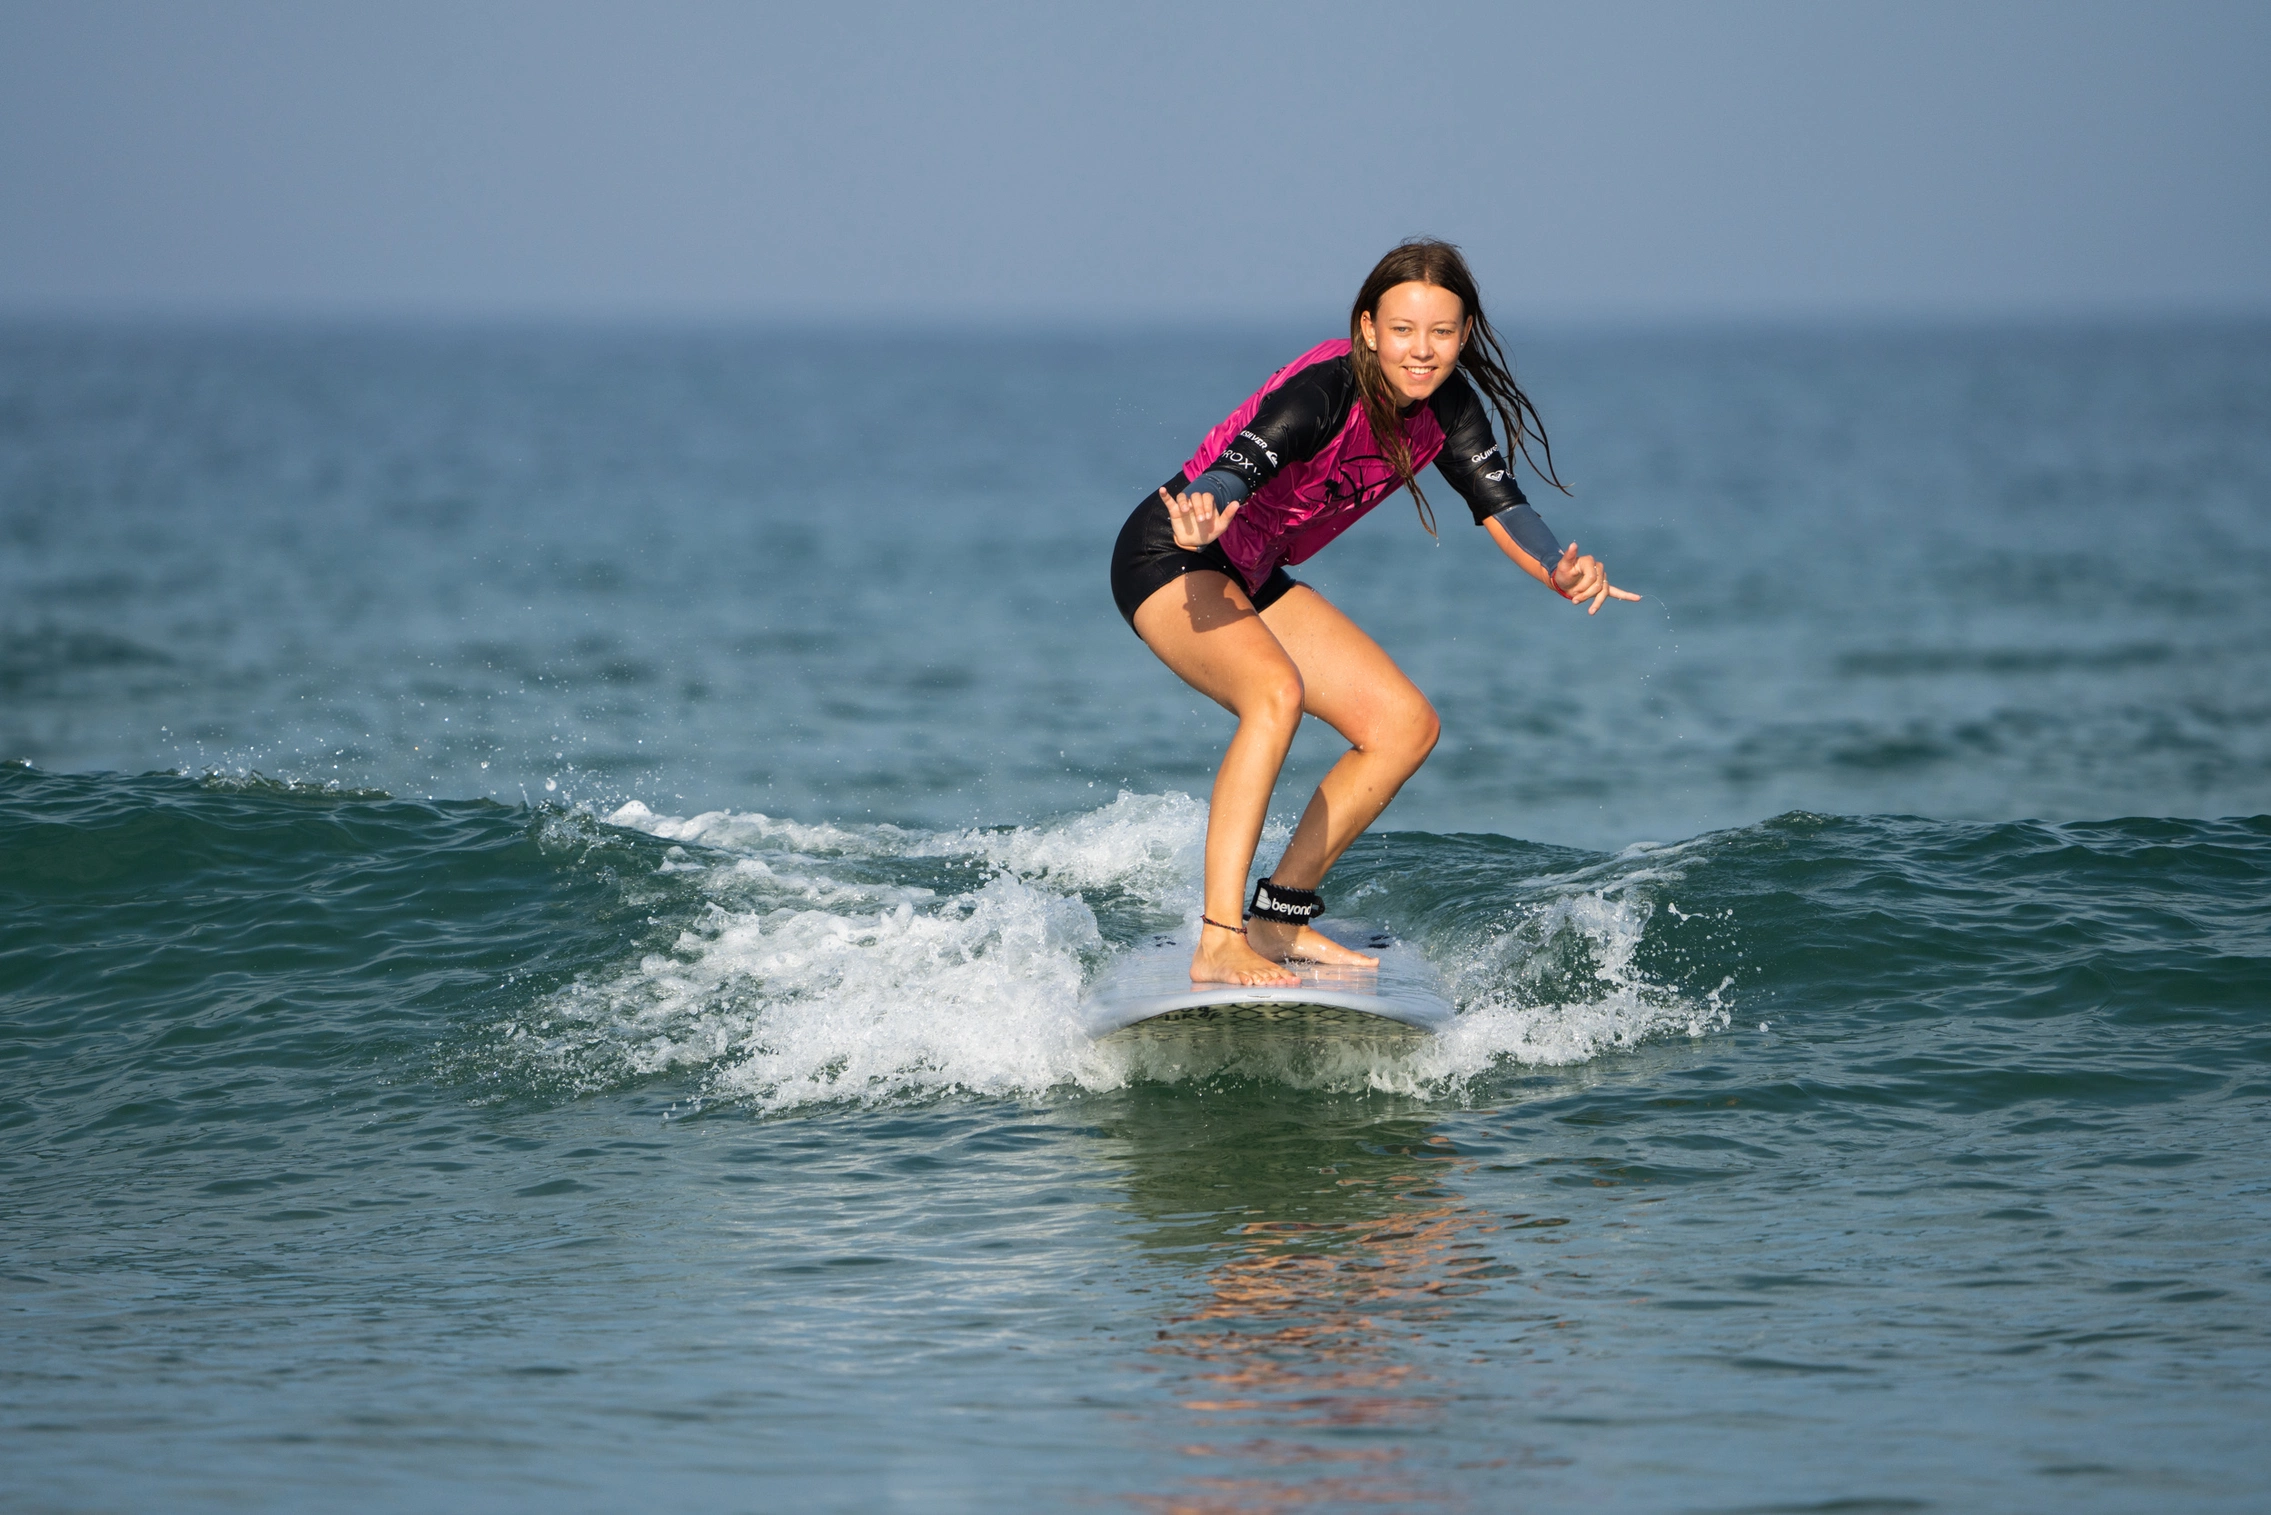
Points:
(543, 875)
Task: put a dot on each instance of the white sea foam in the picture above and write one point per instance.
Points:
(751, 832)
(797, 977)
(1151, 845)
(1506, 990)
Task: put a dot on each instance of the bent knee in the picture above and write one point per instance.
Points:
(1427, 730)
(1275, 701)
(1423, 731)
(1409, 731)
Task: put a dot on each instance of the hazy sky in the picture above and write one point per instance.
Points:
(1075, 161)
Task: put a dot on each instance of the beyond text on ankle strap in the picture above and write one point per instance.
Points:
(1288, 906)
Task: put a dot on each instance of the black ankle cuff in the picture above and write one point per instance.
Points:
(1291, 907)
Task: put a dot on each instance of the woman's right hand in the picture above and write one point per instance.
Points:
(1195, 519)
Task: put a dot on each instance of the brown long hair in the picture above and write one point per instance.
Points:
(1423, 260)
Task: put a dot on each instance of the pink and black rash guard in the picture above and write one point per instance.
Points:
(1302, 456)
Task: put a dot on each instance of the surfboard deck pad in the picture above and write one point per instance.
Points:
(1149, 992)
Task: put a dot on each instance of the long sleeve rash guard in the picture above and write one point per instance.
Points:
(1302, 456)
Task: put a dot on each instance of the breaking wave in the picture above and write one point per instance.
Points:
(817, 963)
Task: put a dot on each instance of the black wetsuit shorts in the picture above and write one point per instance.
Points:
(1145, 559)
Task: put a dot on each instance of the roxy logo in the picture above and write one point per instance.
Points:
(1264, 446)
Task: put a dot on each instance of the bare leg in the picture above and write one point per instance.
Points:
(1351, 685)
(1204, 627)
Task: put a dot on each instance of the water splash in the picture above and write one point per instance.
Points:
(818, 963)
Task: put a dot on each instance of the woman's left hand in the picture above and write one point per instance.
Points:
(1584, 578)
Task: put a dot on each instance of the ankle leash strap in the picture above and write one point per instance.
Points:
(1291, 907)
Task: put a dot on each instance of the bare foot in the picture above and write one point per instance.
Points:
(1278, 940)
(1224, 958)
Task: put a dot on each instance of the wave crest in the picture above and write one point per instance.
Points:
(816, 963)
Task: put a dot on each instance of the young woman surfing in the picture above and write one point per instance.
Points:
(1199, 572)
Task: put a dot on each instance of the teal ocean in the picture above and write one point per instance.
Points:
(544, 875)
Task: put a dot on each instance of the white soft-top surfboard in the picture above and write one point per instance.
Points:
(1151, 988)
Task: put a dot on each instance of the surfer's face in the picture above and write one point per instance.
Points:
(1417, 331)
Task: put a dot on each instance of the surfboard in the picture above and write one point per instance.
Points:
(1149, 992)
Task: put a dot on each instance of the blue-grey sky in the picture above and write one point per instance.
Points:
(1074, 161)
